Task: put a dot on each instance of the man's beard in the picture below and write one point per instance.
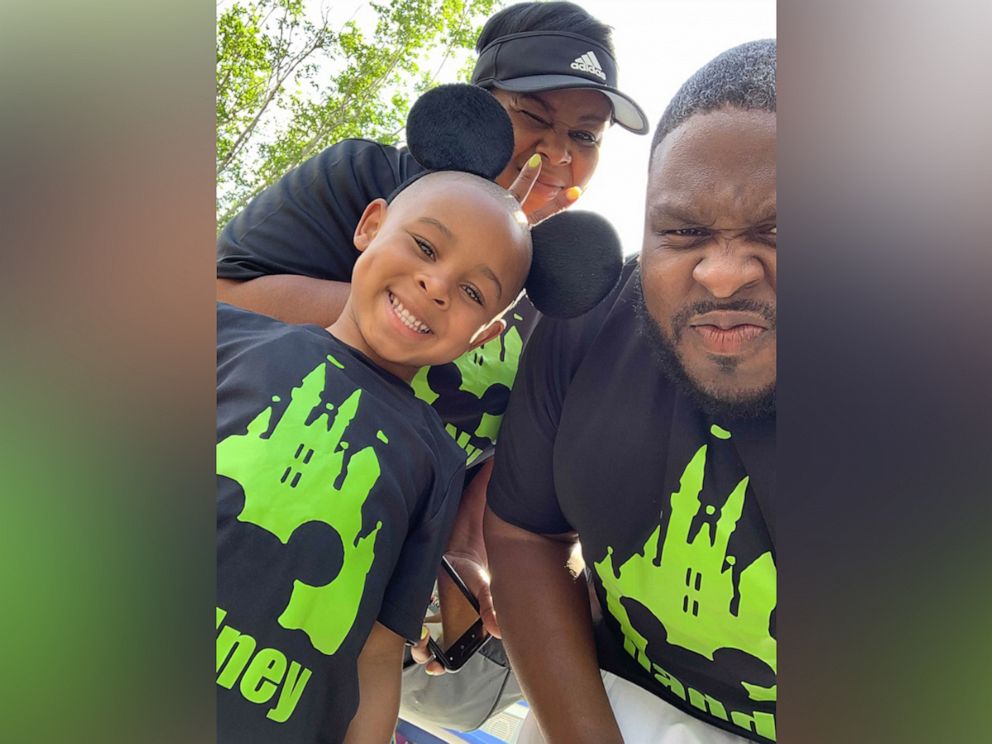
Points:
(733, 405)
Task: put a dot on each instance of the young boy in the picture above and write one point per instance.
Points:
(336, 486)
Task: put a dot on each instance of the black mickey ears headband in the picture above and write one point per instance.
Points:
(576, 255)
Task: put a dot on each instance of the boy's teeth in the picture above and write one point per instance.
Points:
(408, 319)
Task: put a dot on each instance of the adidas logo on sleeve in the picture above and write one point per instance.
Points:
(588, 63)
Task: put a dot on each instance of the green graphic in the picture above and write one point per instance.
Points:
(266, 674)
(687, 584)
(491, 364)
(481, 371)
(421, 388)
(297, 475)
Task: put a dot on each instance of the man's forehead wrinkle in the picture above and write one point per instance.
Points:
(677, 210)
(741, 206)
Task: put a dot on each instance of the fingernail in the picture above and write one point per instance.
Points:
(424, 632)
(572, 193)
(430, 673)
(535, 160)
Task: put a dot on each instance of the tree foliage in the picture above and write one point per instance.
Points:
(289, 85)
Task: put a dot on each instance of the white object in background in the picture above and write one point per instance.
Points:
(644, 719)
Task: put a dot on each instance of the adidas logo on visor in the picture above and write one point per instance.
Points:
(588, 63)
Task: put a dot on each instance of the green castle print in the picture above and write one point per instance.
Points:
(493, 363)
(691, 591)
(289, 478)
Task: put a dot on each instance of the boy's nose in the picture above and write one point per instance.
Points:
(436, 289)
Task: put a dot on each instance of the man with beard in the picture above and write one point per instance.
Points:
(646, 430)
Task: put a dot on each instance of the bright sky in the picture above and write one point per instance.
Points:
(659, 44)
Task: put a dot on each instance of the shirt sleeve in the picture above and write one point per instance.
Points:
(522, 489)
(304, 222)
(409, 589)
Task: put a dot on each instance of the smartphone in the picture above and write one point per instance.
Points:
(463, 633)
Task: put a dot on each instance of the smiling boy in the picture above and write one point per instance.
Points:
(428, 285)
(336, 485)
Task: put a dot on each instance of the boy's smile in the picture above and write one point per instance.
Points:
(439, 265)
(406, 318)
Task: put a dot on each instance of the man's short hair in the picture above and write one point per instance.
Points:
(742, 77)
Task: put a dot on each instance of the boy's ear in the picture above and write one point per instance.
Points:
(370, 223)
(488, 333)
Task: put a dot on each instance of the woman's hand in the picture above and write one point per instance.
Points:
(523, 183)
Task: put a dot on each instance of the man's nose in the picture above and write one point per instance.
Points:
(727, 267)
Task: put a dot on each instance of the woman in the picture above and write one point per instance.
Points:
(550, 64)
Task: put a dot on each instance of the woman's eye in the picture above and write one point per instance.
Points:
(425, 248)
(473, 294)
(772, 230)
(586, 138)
(535, 118)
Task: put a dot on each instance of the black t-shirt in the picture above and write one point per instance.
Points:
(670, 508)
(304, 223)
(336, 491)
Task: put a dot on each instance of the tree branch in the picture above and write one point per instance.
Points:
(273, 91)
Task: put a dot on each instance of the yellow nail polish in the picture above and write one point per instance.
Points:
(424, 632)
(573, 192)
(535, 160)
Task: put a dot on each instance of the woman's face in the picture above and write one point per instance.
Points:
(565, 127)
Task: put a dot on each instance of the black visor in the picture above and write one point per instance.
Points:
(537, 61)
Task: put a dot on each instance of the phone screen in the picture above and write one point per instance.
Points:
(460, 633)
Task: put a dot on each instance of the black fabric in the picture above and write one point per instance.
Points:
(336, 491)
(460, 127)
(597, 441)
(533, 53)
(303, 224)
(577, 263)
(535, 61)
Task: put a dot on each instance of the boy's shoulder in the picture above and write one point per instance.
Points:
(263, 361)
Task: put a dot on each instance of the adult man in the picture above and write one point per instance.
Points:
(645, 430)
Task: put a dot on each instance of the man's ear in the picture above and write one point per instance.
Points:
(370, 223)
(488, 333)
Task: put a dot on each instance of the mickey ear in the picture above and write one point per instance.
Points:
(577, 262)
(460, 127)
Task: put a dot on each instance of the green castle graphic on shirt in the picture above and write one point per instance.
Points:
(690, 589)
(296, 475)
(493, 363)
